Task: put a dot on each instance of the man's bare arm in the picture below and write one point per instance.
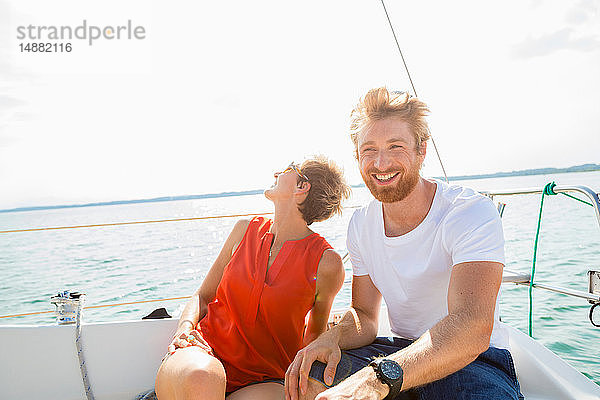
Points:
(360, 324)
(452, 343)
(463, 334)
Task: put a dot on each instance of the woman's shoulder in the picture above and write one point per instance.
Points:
(260, 222)
(330, 272)
(257, 222)
(241, 226)
(331, 257)
(331, 263)
(246, 226)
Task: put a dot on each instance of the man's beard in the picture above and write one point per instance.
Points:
(407, 181)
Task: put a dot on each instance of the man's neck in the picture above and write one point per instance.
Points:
(403, 216)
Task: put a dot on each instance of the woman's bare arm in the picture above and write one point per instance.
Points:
(330, 278)
(196, 307)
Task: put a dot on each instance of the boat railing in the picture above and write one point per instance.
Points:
(593, 293)
(523, 278)
(519, 278)
(586, 191)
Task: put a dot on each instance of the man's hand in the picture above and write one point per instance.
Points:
(363, 385)
(325, 349)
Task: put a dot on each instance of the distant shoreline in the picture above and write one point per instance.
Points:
(525, 172)
(528, 172)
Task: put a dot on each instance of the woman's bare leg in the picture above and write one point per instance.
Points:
(190, 374)
(259, 391)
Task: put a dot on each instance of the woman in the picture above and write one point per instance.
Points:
(267, 295)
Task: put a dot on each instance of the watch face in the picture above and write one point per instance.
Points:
(391, 370)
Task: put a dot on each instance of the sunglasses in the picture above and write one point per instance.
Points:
(294, 167)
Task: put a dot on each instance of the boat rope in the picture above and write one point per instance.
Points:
(100, 306)
(547, 188)
(413, 86)
(345, 258)
(82, 367)
(142, 222)
(134, 222)
(578, 199)
(548, 191)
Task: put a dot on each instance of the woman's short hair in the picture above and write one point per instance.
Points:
(379, 104)
(327, 189)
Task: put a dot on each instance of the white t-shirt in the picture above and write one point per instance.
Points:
(412, 271)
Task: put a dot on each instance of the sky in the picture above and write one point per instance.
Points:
(217, 96)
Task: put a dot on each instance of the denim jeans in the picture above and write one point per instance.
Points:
(490, 377)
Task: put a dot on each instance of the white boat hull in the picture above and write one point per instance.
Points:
(40, 362)
(122, 359)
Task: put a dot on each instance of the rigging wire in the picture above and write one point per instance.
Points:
(51, 228)
(134, 222)
(100, 306)
(413, 87)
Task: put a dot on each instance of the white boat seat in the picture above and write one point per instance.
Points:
(515, 277)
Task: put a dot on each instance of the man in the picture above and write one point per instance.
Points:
(435, 253)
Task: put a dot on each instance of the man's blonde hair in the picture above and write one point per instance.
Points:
(379, 104)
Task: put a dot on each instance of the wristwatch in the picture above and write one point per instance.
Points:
(390, 373)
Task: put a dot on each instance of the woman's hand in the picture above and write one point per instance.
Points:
(186, 337)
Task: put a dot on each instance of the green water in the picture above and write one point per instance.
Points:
(141, 262)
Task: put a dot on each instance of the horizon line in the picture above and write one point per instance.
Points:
(526, 172)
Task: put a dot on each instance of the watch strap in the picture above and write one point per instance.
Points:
(394, 385)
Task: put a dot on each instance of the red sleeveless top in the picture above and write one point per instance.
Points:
(256, 322)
